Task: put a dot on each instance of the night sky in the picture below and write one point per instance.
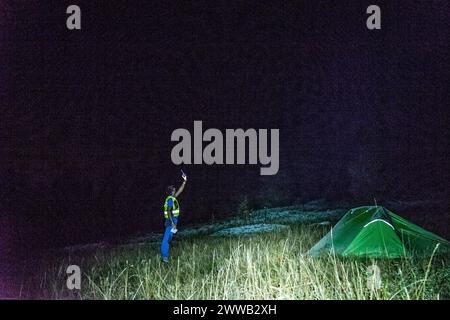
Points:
(87, 115)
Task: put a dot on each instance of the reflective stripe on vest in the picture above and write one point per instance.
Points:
(175, 207)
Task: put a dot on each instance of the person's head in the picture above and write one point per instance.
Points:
(171, 190)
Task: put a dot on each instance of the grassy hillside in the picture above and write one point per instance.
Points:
(271, 265)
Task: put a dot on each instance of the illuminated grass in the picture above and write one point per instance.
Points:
(263, 266)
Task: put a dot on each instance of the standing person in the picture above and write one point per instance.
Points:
(171, 214)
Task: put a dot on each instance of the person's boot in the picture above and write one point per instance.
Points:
(165, 260)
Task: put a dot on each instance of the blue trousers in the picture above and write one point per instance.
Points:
(167, 237)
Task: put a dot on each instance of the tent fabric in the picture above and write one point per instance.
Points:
(375, 232)
(376, 239)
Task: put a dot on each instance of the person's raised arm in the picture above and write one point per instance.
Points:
(180, 190)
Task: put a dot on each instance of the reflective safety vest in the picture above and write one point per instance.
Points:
(175, 207)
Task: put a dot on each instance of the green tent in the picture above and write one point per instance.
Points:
(376, 232)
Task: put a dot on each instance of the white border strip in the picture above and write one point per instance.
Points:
(390, 225)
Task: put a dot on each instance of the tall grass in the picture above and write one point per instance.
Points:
(266, 266)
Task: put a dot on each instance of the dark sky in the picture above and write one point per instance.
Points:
(86, 116)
